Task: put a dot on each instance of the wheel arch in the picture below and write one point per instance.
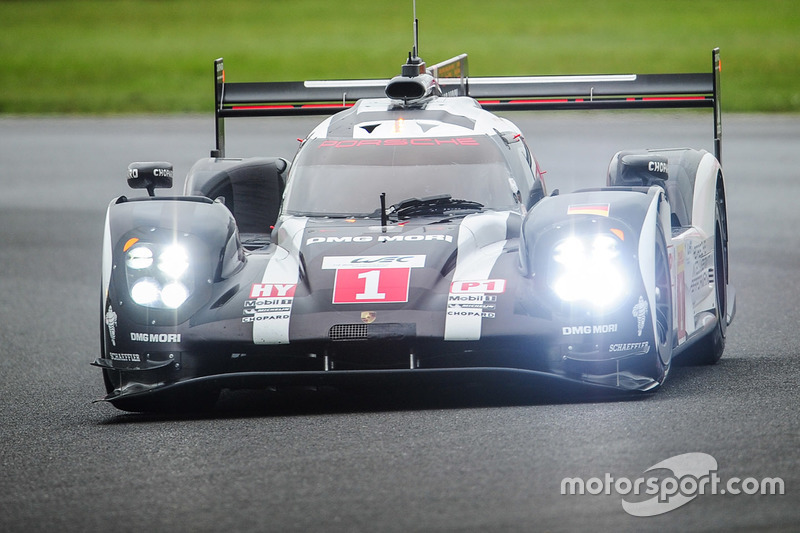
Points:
(658, 216)
(708, 181)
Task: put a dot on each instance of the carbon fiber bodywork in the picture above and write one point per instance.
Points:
(412, 240)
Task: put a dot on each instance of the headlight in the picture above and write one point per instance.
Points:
(174, 294)
(159, 275)
(173, 261)
(146, 291)
(139, 257)
(587, 270)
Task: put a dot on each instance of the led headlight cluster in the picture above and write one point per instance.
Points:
(588, 270)
(158, 274)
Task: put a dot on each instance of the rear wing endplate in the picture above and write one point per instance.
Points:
(626, 91)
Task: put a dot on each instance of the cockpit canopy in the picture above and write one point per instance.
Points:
(345, 177)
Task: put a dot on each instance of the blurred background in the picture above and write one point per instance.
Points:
(107, 57)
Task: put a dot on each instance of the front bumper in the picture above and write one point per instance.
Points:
(498, 362)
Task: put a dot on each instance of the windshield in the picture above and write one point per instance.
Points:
(346, 177)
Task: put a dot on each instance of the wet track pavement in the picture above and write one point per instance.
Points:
(401, 460)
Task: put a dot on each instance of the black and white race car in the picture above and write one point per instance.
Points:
(412, 237)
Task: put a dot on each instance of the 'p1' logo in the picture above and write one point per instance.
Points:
(486, 286)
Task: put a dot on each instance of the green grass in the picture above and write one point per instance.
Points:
(126, 56)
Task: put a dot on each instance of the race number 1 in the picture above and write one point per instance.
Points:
(375, 285)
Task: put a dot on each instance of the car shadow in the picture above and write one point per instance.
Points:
(305, 401)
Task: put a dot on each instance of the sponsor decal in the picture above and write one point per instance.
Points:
(133, 173)
(486, 286)
(423, 141)
(155, 337)
(640, 313)
(162, 172)
(267, 302)
(638, 347)
(267, 290)
(474, 298)
(470, 298)
(470, 312)
(275, 294)
(368, 261)
(600, 210)
(699, 261)
(130, 357)
(589, 330)
(259, 309)
(680, 286)
(380, 238)
(264, 317)
(452, 305)
(111, 323)
(657, 166)
(268, 305)
(473, 278)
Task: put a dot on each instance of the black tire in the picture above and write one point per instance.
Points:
(708, 350)
(662, 314)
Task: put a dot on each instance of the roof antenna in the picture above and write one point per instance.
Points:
(416, 30)
(415, 65)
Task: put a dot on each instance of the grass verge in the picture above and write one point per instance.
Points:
(127, 56)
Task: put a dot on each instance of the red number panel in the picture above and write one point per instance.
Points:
(371, 285)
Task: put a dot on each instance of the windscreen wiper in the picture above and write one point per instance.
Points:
(432, 205)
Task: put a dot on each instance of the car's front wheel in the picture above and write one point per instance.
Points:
(662, 312)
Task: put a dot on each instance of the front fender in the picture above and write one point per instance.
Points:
(206, 230)
(627, 216)
(629, 210)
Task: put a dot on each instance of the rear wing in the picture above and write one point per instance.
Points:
(627, 91)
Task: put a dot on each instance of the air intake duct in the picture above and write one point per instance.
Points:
(412, 88)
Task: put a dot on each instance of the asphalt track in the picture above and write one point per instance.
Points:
(476, 460)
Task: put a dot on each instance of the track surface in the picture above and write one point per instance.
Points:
(400, 461)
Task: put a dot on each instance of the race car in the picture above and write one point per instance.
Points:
(412, 237)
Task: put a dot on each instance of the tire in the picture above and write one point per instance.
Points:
(662, 314)
(708, 350)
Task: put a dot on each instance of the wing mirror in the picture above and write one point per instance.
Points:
(150, 175)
